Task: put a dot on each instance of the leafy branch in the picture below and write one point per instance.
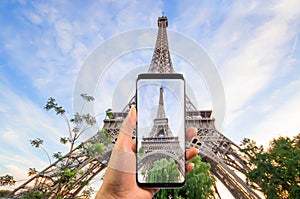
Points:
(66, 172)
(274, 171)
(38, 143)
(7, 180)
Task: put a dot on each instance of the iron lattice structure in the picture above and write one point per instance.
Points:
(225, 157)
(160, 136)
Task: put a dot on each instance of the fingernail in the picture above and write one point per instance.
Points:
(132, 113)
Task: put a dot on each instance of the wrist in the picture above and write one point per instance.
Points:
(104, 194)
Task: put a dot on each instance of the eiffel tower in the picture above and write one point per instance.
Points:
(224, 156)
(154, 146)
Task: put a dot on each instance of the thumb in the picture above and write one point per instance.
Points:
(123, 157)
(126, 130)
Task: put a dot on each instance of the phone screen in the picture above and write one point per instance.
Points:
(160, 132)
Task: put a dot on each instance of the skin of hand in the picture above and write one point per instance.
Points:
(121, 183)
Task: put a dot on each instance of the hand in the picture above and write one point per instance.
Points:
(120, 180)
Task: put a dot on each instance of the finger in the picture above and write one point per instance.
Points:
(133, 145)
(153, 191)
(122, 157)
(190, 133)
(190, 153)
(189, 167)
(125, 134)
(121, 160)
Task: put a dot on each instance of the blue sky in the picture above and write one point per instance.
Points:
(254, 46)
(148, 104)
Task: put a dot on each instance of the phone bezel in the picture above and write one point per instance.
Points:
(161, 76)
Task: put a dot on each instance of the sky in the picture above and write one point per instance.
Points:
(148, 96)
(148, 104)
(45, 47)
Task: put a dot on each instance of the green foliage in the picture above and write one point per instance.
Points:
(7, 180)
(4, 193)
(164, 171)
(57, 155)
(141, 151)
(32, 171)
(104, 136)
(97, 149)
(87, 97)
(33, 195)
(109, 113)
(66, 173)
(64, 140)
(87, 193)
(89, 119)
(276, 170)
(199, 184)
(36, 142)
(68, 176)
(94, 150)
(79, 118)
(51, 104)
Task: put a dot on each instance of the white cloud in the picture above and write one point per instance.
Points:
(64, 39)
(3, 108)
(281, 118)
(17, 171)
(288, 10)
(250, 53)
(22, 121)
(254, 44)
(59, 45)
(33, 17)
(49, 52)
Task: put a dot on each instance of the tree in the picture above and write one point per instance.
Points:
(164, 171)
(4, 193)
(32, 171)
(199, 184)
(276, 170)
(37, 143)
(66, 173)
(7, 180)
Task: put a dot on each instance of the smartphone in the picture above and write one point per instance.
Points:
(160, 130)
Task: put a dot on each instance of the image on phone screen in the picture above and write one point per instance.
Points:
(160, 130)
